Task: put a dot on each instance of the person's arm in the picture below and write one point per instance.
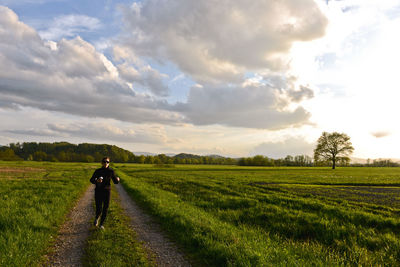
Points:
(94, 177)
(114, 177)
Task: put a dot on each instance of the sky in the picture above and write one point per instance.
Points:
(235, 78)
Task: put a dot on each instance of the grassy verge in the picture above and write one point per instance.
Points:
(116, 245)
(34, 200)
(214, 242)
(267, 216)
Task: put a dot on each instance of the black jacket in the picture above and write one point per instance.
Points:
(108, 174)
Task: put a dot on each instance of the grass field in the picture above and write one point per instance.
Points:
(220, 215)
(235, 216)
(34, 199)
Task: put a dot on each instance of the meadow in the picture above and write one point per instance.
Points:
(257, 216)
(219, 215)
(35, 198)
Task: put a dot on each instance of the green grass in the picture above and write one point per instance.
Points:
(235, 216)
(220, 215)
(117, 244)
(34, 199)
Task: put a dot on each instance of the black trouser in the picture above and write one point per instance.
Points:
(102, 198)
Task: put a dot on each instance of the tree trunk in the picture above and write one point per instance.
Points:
(333, 163)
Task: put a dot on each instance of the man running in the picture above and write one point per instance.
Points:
(102, 179)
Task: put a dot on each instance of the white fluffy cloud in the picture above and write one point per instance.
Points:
(68, 76)
(134, 70)
(216, 43)
(221, 40)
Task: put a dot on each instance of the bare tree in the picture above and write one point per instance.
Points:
(333, 147)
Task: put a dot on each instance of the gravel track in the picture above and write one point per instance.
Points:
(71, 241)
(166, 253)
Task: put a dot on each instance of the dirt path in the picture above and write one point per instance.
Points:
(166, 253)
(70, 244)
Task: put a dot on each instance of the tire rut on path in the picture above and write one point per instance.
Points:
(71, 241)
(166, 252)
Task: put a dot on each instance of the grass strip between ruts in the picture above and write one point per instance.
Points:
(117, 244)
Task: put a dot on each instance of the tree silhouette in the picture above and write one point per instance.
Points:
(333, 147)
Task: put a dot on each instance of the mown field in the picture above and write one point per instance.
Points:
(255, 216)
(219, 215)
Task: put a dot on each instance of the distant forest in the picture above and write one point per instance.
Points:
(67, 152)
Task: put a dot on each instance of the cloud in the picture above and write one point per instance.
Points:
(33, 132)
(106, 131)
(68, 76)
(303, 93)
(220, 40)
(136, 71)
(70, 26)
(216, 43)
(145, 76)
(292, 146)
(380, 134)
(252, 104)
(97, 131)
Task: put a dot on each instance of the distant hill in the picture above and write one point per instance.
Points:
(152, 154)
(215, 156)
(194, 156)
(186, 156)
(67, 152)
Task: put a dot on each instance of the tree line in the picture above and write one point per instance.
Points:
(259, 160)
(333, 149)
(67, 152)
(377, 163)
